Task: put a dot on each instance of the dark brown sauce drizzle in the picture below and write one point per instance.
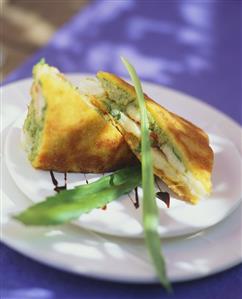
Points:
(65, 179)
(135, 201)
(86, 179)
(165, 197)
(55, 182)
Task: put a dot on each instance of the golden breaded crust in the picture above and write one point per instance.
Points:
(191, 142)
(76, 137)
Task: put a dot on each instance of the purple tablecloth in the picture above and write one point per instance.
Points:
(192, 46)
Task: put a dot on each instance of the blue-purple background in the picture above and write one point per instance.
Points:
(192, 46)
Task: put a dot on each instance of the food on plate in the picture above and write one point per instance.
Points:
(64, 132)
(182, 157)
(95, 127)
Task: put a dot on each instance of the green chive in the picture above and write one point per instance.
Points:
(150, 210)
(70, 204)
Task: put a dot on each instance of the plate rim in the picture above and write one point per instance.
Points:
(237, 260)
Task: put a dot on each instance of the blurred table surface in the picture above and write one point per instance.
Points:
(191, 46)
(27, 25)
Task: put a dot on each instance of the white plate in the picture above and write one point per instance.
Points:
(84, 252)
(121, 218)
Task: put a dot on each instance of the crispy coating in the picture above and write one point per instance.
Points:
(191, 142)
(75, 136)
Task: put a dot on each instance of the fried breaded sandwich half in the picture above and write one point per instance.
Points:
(182, 157)
(64, 132)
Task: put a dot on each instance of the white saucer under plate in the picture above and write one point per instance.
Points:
(79, 250)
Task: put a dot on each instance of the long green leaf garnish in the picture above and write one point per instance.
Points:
(150, 210)
(70, 204)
